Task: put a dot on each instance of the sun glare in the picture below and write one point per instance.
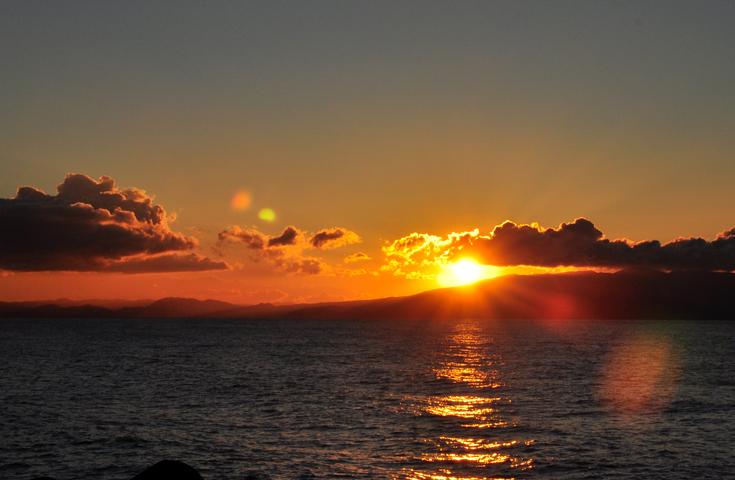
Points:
(465, 272)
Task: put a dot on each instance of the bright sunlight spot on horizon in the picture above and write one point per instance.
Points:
(464, 272)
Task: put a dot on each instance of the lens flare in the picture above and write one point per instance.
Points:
(641, 375)
(241, 200)
(267, 214)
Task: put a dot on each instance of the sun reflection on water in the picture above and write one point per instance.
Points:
(474, 404)
(447, 475)
(461, 406)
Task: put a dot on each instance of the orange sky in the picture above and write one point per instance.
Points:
(92, 239)
(382, 120)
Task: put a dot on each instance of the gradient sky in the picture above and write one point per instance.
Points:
(381, 117)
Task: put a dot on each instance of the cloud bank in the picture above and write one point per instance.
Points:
(575, 244)
(91, 225)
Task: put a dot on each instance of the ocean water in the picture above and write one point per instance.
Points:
(462, 399)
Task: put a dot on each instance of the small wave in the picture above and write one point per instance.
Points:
(255, 476)
(123, 439)
(14, 466)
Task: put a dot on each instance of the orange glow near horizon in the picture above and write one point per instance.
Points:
(465, 272)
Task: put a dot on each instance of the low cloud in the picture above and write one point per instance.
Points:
(304, 265)
(356, 257)
(285, 251)
(334, 238)
(575, 244)
(174, 262)
(254, 239)
(289, 236)
(250, 237)
(91, 225)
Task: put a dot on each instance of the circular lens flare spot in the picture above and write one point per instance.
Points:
(267, 214)
(640, 376)
(241, 200)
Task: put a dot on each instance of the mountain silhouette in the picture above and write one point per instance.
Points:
(638, 294)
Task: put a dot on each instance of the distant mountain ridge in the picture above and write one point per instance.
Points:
(622, 295)
(169, 307)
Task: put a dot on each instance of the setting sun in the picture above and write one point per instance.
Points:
(465, 272)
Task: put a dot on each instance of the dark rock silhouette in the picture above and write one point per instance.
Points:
(169, 470)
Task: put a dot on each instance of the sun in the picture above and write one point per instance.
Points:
(465, 272)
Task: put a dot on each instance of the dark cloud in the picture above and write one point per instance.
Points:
(333, 238)
(167, 262)
(88, 225)
(580, 243)
(289, 237)
(575, 244)
(252, 238)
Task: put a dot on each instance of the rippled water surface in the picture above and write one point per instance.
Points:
(345, 399)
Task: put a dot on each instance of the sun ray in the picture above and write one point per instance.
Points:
(464, 272)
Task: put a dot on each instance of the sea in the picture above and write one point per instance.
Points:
(459, 399)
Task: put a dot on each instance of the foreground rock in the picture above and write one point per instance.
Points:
(169, 469)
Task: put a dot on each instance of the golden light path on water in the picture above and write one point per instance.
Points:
(478, 444)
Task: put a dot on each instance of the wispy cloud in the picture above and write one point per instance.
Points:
(356, 257)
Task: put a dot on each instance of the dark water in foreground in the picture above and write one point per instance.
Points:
(325, 399)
